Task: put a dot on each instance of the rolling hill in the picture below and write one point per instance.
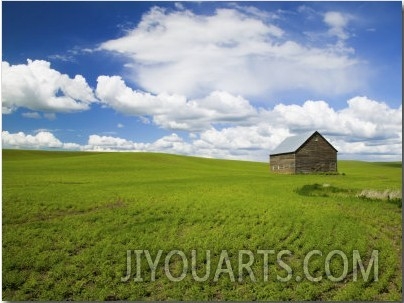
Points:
(71, 219)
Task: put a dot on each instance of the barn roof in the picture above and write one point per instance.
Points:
(292, 144)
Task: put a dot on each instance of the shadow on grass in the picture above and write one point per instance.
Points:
(321, 190)
(326, 190)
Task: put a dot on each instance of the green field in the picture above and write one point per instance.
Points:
(69, 219)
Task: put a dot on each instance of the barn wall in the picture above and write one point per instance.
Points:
(316, 155)
(282, 164)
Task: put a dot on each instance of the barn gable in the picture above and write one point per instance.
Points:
(305, 153)
(291, 144)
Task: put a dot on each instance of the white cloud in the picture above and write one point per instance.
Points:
(38, 87)
(114, 92)
(362, 119)
(109, 143)
(179, 6)
(225, 125)
(144, 120)
(36, 115)
(378, 150)
(335, 19)
(174, 111)
(233, 50)
(169, 144)
(365, 129)
(31, 115)
(49, 116)
(241, 142)
(337, 22)
(172, 144)
(64, 57)
(71, 146)
(41, 140)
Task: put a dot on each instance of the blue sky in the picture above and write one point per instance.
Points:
(215, 79)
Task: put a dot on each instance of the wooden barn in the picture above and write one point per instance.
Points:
(306, 153)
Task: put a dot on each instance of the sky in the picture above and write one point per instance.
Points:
(213, 79)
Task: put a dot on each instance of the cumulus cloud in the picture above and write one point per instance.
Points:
(361, 119)
(365, 129)
(109, 143)
(41, 140)
(168, 144)
(241, 142)
(233, 50)
(375, 134)
(376, 150)
(174, 111)
(38, 87)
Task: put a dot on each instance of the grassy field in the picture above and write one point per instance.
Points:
(70, 218)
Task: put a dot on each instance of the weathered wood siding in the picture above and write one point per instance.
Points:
(316, 155)
(282, 164)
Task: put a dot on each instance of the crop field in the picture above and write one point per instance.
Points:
(74, 223)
